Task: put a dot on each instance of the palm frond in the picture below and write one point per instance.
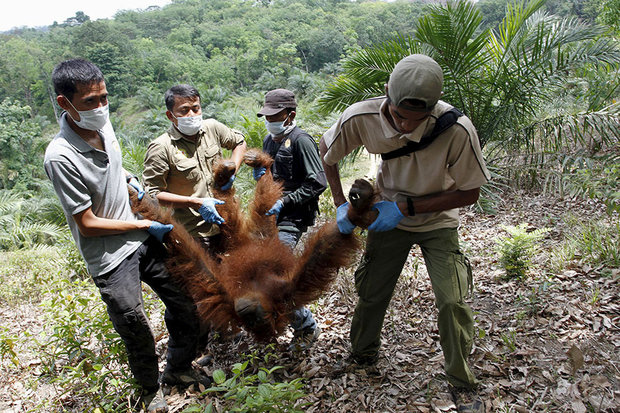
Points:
(365, 73)
(9, 201)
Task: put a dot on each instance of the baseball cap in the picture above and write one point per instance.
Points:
(416, 76)
(276, 101)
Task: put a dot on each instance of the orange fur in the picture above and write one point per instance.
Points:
(255, 281)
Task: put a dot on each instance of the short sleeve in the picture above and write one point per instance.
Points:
(69, 186)
(466, 164)
(340, 140)
(156, 168)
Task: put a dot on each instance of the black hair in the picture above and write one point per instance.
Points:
(182, 91)
(70, 73)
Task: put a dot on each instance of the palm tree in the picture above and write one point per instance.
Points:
(501, 79)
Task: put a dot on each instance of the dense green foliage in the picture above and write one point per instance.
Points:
(229, 46)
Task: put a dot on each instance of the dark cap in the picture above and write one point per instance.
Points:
(276, 101)
(416, 77)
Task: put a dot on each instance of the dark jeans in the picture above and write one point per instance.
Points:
(121, 290)
(302, 317)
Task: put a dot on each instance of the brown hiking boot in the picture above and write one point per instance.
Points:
(353, 364)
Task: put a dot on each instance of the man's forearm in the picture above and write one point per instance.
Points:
(91, 225)
(237, 154)
(179, 201)
(333, 177)
(442, 201)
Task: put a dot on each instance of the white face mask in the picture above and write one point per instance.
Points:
(276, 128)
(189, 125)
(93, 119)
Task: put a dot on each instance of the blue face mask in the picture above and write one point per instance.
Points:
(276, 128)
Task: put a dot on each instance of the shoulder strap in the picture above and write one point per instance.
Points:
(443, 123)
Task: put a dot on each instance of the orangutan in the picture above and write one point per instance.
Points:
(254, 281)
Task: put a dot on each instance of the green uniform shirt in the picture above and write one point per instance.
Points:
(180, 166)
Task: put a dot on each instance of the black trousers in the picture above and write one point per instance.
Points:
(121, 290)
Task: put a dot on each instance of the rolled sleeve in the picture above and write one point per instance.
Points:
(156, 169)
(228, 138)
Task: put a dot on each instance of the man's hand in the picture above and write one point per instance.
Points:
(228, 184)
(133, 181)
(258, 172)
(209, 213)
(389, 216)
(275, 209)
(158, 230)
(344, 225)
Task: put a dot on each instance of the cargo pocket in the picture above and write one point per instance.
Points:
(464, 275)
(284, 166)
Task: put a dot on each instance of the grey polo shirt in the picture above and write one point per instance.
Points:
(86, 177)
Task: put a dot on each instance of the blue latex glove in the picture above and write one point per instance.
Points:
(228, 184)
(258, 172)
(344, 225)
(209, 213)
(133, 181)
(158, 230)
(275, 209)
(389, 216)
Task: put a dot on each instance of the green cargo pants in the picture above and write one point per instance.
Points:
(450, 274)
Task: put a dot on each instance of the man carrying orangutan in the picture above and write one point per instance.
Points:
(298, 167)
(431, 166)
(84, 164)
(178, 166)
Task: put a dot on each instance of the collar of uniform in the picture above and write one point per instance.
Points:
(73, 138)
(175, 135)
(287, 132)
(390, 133)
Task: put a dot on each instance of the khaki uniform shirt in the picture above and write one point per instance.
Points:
(180, 166)
(452, 162)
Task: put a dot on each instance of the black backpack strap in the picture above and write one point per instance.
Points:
(443, 123)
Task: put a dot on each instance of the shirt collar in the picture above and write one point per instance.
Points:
(287, 132)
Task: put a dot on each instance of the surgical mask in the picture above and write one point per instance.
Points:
(276, 128)
(189, 125)
(93, 119)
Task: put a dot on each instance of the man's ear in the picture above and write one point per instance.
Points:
(170, 117)
(292, 115)
(386, 89)
(63, 102)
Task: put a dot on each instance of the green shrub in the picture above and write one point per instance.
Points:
(254, 392)
(517, 250)
(596, 242)
(7, 347)
(598, 182)
(80, 351)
